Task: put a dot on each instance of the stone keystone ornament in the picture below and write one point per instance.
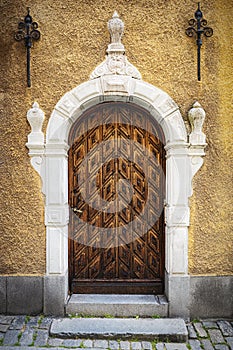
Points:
(116, 62)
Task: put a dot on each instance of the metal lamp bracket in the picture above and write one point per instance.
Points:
(197, 28)
(28, 32)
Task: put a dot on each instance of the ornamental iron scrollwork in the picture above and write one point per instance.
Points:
(198, 27)
(28, 31)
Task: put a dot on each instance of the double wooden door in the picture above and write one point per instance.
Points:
(116, 195)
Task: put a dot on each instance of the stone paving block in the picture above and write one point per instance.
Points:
(41, 337)
(87, 343)
(160, 346)
(175, 346)
(33, 321)
(4, 328)
(72, 343)
(135, 345)
(216, 336)
(221, 347)
(99, 343)
(12, 348)
(6, 319)
(191, 331)
(29, 348)
(35, 348)
(229, 341)
(113, 345)
(27, 337)
(18, 323)
(11, 337)
(226, 328)
(146, 345)
(40, 348)
(46, 323)
(195, 344)
(210, 324)
(200, 330)
(55, 341)
(125, 345)
(207, 344)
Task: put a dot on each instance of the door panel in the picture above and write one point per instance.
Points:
(116, 190)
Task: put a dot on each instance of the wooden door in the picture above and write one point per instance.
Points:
(114, 250)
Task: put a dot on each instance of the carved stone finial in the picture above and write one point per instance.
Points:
(35, 144)
(116, 62)
(35, 117)
(196, 117)
(116, 28)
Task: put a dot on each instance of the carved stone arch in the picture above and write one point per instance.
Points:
(183, 159)
(157, 102)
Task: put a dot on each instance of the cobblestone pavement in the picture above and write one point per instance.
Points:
(28, 333)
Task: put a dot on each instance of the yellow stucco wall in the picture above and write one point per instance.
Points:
(73, 41)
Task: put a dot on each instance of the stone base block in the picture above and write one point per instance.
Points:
(188, 297)
(3, 295)
(55, 295)
(24, 295)
(211, 297)
(178, 296)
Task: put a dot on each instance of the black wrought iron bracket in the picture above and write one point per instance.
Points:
(197, 28)
(28, 32)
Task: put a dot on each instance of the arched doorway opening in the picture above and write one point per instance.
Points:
(116, 199)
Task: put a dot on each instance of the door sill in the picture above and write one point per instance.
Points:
(119, 286)
(117, 305)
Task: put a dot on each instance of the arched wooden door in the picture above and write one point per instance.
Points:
(116, 196)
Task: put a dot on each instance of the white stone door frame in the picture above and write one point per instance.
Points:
(117, 80)
(182, 161)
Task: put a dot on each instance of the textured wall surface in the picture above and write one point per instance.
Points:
(73, 41)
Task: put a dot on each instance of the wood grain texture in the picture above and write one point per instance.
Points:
(119, 264)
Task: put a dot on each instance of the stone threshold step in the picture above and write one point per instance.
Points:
(117, 305)
(166, 329)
